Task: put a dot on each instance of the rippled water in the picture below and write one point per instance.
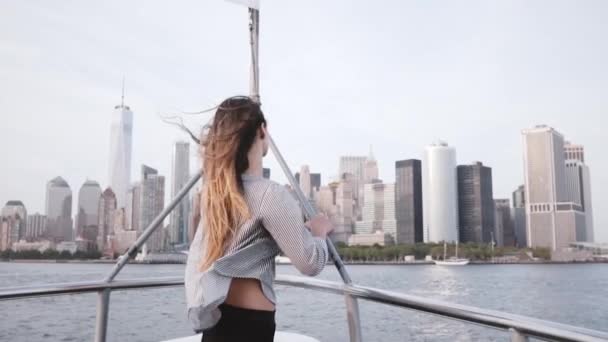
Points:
(573, 294)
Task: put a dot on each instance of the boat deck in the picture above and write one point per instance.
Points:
(279, 336)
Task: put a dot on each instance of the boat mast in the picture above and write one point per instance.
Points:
(254, 34)
(352, 306)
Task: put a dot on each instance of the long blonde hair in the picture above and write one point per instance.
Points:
(224, 150)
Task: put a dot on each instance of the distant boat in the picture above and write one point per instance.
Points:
(279, 259)
(452, 261)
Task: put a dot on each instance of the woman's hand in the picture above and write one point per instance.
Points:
(320, 226)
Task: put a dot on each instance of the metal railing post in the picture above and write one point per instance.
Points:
(101, 324)
(103, 301)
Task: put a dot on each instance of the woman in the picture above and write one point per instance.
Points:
(246, 221)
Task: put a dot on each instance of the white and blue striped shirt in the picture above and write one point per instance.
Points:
(276, 224)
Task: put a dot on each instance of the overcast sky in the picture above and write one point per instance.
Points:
(336, 76)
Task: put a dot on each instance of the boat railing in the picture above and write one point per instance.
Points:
(520, 328)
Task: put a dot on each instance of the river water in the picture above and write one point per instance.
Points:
(574, 294)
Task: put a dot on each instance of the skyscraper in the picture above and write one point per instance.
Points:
(195, 213)
(87, 217)
(518, 216)
(178, 228)
(503, 229)
(315, 181)
(439, 188)
(106, 217)
(59, 210)
(475, 203)
(519, 197)
(14, 219)
(355, 166)
(36, 227)
(578, 185)
(304, 181)
(574, 152)
(121, 133)
(5, 228)
(266, 173)
(345, 210)
(378, 210)
(408, 201)
(133, 209)
(152, 201)
(552, 219)
(370, 172)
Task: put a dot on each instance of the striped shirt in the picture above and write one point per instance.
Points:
(276, 224)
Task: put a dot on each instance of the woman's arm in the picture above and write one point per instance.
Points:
(282, 218)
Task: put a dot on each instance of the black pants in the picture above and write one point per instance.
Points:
(240, 324)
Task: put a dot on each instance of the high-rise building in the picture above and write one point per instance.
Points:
(518, 216)
(578, 186)
(314, 180)
(326, 202)
(504, 233)
(36, 227)
(195, 213)
(121, 133)
(152, 202)
(345, 210)
(475, 203)
(266, 173)
(9, 225)
(370, 172)
(378, 210)
(439, 188)
(355, 166)
(304, 181)
(106, 217)
(120, 238)
(574, 152)
(408, 201)
(325, 199)
(178, 227)
(87, 217)
(59, 210)
(14, 220)
(133, 209)
(4, 234)
(519, 197)
(552, 218)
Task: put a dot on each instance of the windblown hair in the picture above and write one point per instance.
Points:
(225, 145)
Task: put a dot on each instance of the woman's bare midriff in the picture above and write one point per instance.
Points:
(247, 293)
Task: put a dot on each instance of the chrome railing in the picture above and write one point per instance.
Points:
(519, 327)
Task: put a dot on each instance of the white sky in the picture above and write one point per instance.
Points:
(336, 76)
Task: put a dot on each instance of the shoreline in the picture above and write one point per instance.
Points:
(355, 263)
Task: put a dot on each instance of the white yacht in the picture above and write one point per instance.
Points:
(452, 261)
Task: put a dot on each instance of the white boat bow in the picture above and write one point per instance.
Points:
(279, 336)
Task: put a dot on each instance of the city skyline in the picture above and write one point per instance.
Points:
(468, 216)
(475, 85)
(569, 154)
